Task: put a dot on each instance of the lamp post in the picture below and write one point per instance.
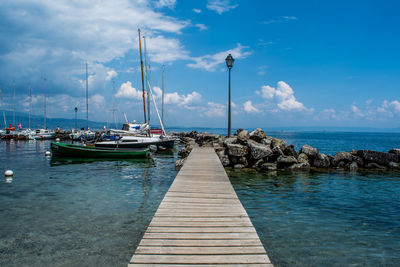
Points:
(76, 116)
(229, 63)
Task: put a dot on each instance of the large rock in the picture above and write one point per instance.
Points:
(184, 152)
(322, 161)
(285, 161)
(225, 160)
(353, 166)
(238, 150)
(310, 151)
(343, 156)
(268, 167)
(394, 165)
(377, 157)
(238, 166)
(302, 166)
(230, 140)
(373, 165)
(243, 161)
(243, 136)
(258, 151)
(395, 151)
(303, 158)
(179, 163)
(267, 141)
(290, 151)
(278, 143)
(257, 135)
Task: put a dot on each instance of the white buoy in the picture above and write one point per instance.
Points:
(8, 173)
(48, 154)
(58, 140)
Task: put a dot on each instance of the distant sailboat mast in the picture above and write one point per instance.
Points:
(14, 103)
(30, 105)
(162, 99)
(44, 103)
(141, 67)
(147, 79)
(2, 107)
(114, 107)
(87, 100)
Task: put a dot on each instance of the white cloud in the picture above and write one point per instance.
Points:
(214, 110)
(211, 62)
(220, 6)
(201, 27)
(127, 91)
(280, 20)
(196, 10)
(249, 108)
(283, 94)
(111, 74)
(181, 100)
(166, 3)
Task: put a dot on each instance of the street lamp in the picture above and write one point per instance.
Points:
(76, 115)
(229, 63)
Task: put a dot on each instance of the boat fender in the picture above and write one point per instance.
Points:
(8, 173)
(47, 154)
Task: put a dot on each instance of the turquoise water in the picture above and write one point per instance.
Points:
(74, 213)
(324, 219)
(93, 213)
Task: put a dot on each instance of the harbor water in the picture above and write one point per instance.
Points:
(70, 212)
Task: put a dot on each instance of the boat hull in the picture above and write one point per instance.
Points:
(167, 144)
(78, 151)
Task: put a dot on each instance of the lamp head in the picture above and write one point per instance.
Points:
(229, 61)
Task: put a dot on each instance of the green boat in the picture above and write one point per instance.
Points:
(79, 151)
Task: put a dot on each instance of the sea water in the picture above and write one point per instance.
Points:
(70, 212)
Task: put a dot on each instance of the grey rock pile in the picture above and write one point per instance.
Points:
(258, 151)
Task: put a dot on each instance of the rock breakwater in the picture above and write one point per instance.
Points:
(258, 151)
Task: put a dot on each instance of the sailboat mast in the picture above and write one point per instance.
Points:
(14, 103)
(87, 100)
(30, 106)
(162, 99)
(147, 79)
(114, 106)
(45, 103)
(141, 67)
(2, 107)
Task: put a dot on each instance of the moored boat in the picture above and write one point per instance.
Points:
(161, 142)
(80, 151)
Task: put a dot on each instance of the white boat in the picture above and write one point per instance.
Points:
(42, 134)
(86, 134)
(161, 142)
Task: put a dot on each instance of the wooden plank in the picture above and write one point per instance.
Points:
(200, 242)
(149, 235)
(201, 259)
(227, 229)
(202, 219)
(199, 250)
(199, 224)
(201, 265)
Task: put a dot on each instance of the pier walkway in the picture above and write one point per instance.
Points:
(201, 221)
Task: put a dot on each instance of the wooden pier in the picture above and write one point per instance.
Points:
(201, 221)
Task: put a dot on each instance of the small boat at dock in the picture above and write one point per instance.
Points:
(81, 151)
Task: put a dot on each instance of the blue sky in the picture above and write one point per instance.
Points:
(298, 63)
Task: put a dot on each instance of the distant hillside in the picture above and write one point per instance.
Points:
(51, 123)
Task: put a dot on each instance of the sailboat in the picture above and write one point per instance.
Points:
(45, 133)
(84, 134)
(8, 132)
(137, 137)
